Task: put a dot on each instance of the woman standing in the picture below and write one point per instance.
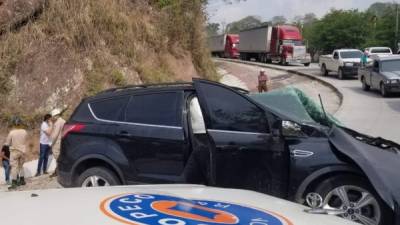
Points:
(45, 144)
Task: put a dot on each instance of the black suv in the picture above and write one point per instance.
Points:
(208, 133)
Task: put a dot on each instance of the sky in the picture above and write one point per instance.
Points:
(220, 12)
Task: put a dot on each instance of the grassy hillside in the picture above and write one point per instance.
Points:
(55, 52)
(75, 48)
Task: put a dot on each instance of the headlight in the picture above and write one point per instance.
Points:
(394, 81)
(348, 64)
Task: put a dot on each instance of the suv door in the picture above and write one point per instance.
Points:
(152, 136)
(247, 154)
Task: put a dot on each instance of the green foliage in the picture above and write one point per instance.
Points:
(212, 29)
(353, 29)
(278, 20)
(243, 24)
(117, 78)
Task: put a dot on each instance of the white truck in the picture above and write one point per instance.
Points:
(345, 62)
(161, 204)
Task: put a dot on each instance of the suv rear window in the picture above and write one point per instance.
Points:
(110, 109)
(156, 109)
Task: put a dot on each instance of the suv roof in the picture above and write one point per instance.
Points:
(142, 88)
(124, 90)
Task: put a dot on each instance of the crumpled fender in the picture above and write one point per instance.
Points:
(381, 166)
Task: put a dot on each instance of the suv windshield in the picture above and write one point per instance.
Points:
(392, 65)
(295, 104)
(350, 54)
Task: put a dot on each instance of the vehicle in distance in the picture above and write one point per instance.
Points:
(204, 132)
(383, 74)
(224, 46)
(156, 204)
(380, 51)
(283, 44)
(344, 62)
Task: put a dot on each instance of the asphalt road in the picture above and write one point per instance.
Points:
(366, 112)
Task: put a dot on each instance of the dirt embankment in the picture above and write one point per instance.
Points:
(54, 53)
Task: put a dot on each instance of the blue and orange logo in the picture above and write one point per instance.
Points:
(141, 209)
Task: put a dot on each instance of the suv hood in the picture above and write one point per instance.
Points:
(378, 158)
(392, 74)
(153, 204)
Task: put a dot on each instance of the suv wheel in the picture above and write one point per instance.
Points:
(383, 90)
(97, 177)
(340, 74)
(365, 86)
(354, 199)
(324, 71)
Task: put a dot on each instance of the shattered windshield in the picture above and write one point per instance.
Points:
(295, 104)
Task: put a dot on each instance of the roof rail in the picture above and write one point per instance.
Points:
(146, 86)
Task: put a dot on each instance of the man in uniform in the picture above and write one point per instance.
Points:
(58, 122)
(262, 81)
(17, 142)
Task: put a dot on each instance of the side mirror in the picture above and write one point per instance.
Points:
(291, 129)
(375, 69)
(336, 57)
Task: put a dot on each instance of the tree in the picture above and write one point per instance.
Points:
(339, 29)
(278, 20)
(245, 23)
(212, 29)
(309, 19)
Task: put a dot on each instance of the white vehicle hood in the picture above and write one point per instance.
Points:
(149, 204)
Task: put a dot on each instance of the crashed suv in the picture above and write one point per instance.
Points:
(280, 143)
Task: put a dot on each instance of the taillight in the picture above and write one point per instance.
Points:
(68, 128)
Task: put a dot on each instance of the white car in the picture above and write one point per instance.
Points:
(161, 204)
(343, 61)
(379, 51)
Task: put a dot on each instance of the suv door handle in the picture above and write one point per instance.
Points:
(124, 134)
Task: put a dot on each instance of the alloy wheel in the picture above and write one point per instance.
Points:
(95, 181)
(355, 204)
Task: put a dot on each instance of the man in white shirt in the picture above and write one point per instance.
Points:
(45, 144)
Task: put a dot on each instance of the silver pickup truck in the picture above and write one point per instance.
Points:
(343, 61)
(383, 74)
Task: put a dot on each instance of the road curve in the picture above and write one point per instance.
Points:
(366, 112)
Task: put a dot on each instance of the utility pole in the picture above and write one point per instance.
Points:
(397, 27)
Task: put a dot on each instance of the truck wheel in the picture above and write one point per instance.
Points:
(340, 74)
(383, 90)
(365, 86)
(97, 177)
(355, 199)
(307, 64)
(283, 62)
(324, 71)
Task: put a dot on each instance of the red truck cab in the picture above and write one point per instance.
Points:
(231, 46)
(287, 44)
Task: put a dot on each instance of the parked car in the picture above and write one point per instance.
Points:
(155, 204)
(383, 74)
(344, 62)
(380, 51)
(280, 143)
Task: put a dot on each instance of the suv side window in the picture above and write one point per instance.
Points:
(156, 109)
(336, 55)
(110, 109)
(230, 111)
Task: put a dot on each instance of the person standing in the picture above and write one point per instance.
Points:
(58, 122)
(364, 59)
(262, 81)
(5, 158)
(45, 144)
(16, 141)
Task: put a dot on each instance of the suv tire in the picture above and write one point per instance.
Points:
(365, 86)
(324, 71)
(340, 74)
(354, 187)
(97, 176)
